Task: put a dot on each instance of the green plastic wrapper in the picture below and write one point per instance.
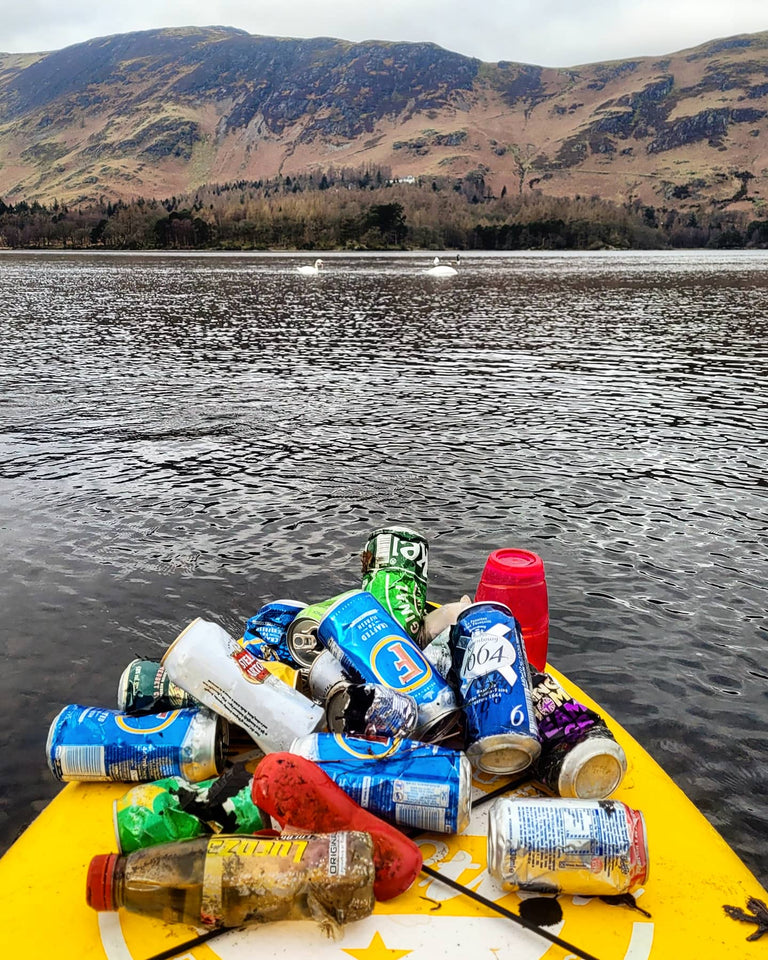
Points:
(174, 809)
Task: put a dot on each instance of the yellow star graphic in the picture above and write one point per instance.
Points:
(376, 950)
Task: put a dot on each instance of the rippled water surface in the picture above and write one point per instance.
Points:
(196, 435)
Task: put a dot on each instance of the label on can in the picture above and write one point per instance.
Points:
(90, 743)
(145, 687)
(406, 782)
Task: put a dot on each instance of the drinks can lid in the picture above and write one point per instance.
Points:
(510, 565)
(98, 884)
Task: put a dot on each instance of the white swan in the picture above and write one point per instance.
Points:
(439, 270)
(311, 271)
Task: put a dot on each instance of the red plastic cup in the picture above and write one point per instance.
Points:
(516, 578)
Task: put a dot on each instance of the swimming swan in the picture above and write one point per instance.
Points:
(311, 271)
(438, 270)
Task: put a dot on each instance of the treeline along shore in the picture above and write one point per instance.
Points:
(367, 210)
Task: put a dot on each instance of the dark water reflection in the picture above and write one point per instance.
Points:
(184, 436)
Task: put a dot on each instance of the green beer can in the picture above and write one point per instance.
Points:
(145, 687)
(395, 561)
(174, 809)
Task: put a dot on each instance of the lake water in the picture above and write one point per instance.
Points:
(187, 436)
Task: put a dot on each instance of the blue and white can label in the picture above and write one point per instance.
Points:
(91, 743)
(409, 783)
(373, 648)
(495, 689)
(266, 633)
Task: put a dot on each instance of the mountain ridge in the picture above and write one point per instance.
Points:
(160, 112)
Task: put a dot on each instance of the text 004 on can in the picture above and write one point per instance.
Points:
(411, 784)
(395, 565)
(372, 647)
(577, 847)
(266, 632)
(495, 687)
(145, 687)
(91, 743)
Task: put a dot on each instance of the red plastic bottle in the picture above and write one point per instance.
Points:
(516, 577)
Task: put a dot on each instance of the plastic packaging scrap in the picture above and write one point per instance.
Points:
(175, 809)
(301, 796)
(231, 881)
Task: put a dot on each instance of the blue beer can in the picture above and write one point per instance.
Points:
(373, 648)
(91, 743)
(266, 633)
(501, 733)
(411, 784)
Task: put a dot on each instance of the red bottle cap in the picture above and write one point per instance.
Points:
(510, 565)
(98, 885)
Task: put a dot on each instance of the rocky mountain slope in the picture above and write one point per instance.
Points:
(161, 112)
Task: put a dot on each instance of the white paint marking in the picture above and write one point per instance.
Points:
(640, 942)
(112, 938)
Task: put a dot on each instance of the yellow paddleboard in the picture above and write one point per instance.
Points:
(693, 874)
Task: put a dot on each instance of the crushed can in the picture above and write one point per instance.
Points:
(395, 565)
(371, 710)
(145, 687)
(577, 847)
(411, 784)
(175, 809)
(579, 755)
(302, 639)
(324, 676)
(266, 633)
(211, 665)
(91, 743)
(373, 648)
(501, 734)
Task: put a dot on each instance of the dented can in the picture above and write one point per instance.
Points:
(266, 633)
(577, 847)
(373, 648)
(411, 784)
(92, 743)
(395, 565)
(324, 676)
(145, 687)
(495, 686)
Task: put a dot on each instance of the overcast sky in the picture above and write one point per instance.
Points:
(546, 32)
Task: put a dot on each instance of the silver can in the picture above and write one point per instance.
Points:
(577, 847)
(371, 710)
(325, 674)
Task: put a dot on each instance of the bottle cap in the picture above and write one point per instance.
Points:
(511, 565)
(98, 885)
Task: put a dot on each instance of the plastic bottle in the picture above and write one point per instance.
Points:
(229, 880)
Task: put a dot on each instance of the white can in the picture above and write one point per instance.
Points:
(211, 665)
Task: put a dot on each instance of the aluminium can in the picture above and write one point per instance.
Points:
(411, 784)
(395, 566)
(371, 710)
(579, 755)
(92, 743)
(302, 638)
(324, 676)
(266, 632)
(373, 648)
(576, 847)
(500, 728)
(145, 687)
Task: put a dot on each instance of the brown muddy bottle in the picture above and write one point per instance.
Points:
(230, 881)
